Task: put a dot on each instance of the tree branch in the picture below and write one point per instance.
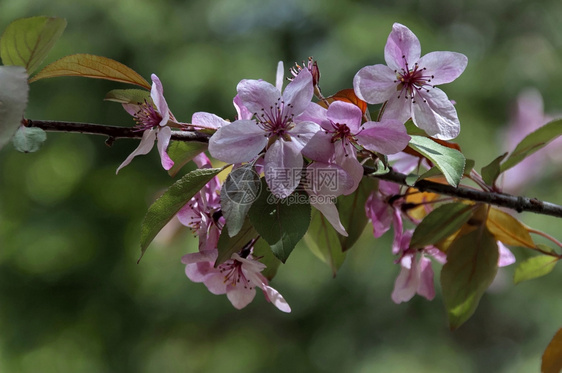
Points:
(516, 203)
(112, 132)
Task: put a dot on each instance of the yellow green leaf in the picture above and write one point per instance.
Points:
(507, 229)
(27, 41)
(534, 267)
(91, 66)
(552, 356)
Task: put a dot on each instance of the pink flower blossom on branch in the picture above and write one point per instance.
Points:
(154, 122)
(274, 128)
(202, 212)
(343, 133)
(237, 277)
(407, 84)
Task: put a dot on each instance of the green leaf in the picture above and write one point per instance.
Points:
(173, 199)
(90, 66)
(450, 161)
(441, 223)
(29, 139)
(546, 249)
(181, 152)
(533, 142)
(229, 245)
(472, 264)
(282, 223)
(13, 100)
(491, 172)
(469, 165)
(263, 253)
(536, 266)
(352, 212)
(433, 171)
(414, 130)
(240, 189)
(128, 96)
(323, 240)
(27, 41)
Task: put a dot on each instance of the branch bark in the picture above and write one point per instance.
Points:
(517, 203)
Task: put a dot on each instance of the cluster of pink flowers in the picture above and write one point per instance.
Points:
(285, 130)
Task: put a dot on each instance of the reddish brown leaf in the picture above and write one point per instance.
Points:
(552, 357)
(346, 95)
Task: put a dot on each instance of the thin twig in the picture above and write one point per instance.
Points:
(517, 203)
(113, 132)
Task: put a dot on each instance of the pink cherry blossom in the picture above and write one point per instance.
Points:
(274, 128)
(202, 212)
(407, 83)
(416, 275)
(237, 278)
(383, 213)
(154, 122)
(343, 133)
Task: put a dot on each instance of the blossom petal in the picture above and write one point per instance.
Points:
(401, 46)
(302, 132)
(145, 145)
(201, 256)
(240, 141)
(398, 108)
(345, 113)
(444, 67)
(380, 214)
(207, 120)
(436, 115)
(239, 295)
(187, 215)
(163, 136)
(216, 283)
(347, 159)
(426, 286)
(132, 109)
(406, 284)
(283, 163)
(277, 299)
(506, 256)
(157, 95)
(388, 136)
(320, 147)
(299, 92)
(403, 163)
(330, 212)
(375, 84)
(241, 110)
(257, 95)
(315, 113)
(400, 237)
(199, 272)
(279, 76)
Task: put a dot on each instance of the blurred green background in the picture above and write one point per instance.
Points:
(73, 299)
